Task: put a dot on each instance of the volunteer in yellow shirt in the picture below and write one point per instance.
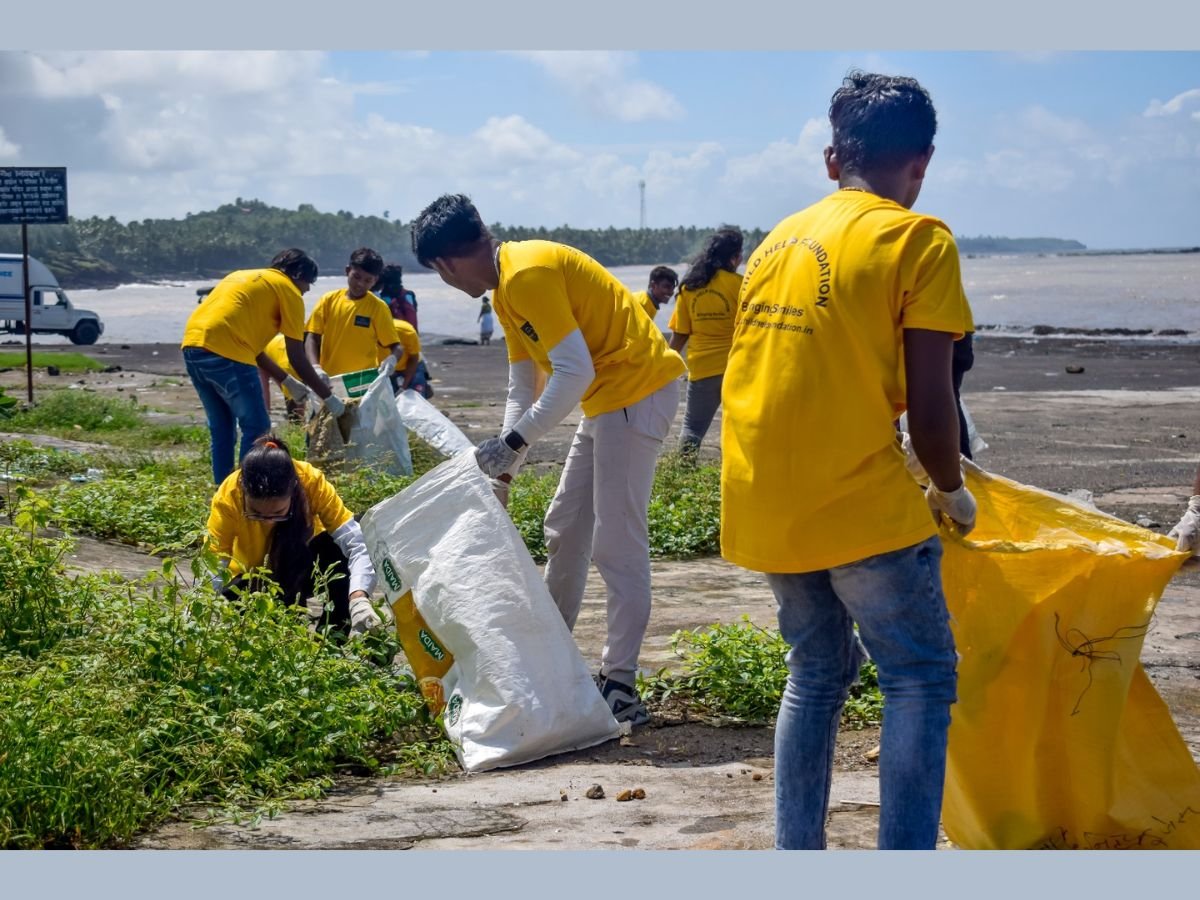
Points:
(848, 315)
(659, 291)
(564, 314)
(225, 338)
(283, 515)
(408, 367)
(349, 326)
(703, 322)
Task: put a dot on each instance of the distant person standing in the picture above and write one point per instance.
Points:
(659, 291)
(225, 338)
(402, 301)
(703, 319)
(487, 323)
(348, 326)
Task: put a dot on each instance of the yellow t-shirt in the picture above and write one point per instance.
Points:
(243, 312)
(547, 290)
(707, 315)
(276, 349)
(244, 541)
(643, 297)
(408, 340)
(812, 475)
(352, 331)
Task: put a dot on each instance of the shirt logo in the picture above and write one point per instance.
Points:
(528, 329)
(362, 321)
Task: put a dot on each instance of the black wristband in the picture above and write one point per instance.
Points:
(514, 441)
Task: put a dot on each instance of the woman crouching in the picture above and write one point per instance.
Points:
(282, 514)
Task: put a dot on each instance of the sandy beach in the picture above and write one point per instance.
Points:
(1126, 429)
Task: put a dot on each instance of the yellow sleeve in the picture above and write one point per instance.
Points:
(385, 326)
(223, 517)
(538, 300)
(681, 320)
(291, 311)
(935, 301)
(316, 322)
(516, 350)
(323, 501)
(409, 340)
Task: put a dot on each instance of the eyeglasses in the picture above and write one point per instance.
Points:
(259, 517)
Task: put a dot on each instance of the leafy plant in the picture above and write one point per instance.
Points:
(737, 671)
(61, 410)
(162, 694)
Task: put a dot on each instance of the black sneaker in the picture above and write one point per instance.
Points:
(624, 702)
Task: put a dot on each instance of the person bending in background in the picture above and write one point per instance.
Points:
(410, 373)
(293, 390)
(282, 514)
(659, 290)
(226, 337)
(703, 317)
(564, 313)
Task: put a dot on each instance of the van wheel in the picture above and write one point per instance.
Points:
(85, 333)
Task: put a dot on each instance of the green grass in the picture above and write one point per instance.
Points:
(738, 672)
(58, 412)
(123, 704)
(68, 363)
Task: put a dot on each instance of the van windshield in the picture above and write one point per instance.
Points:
(59, 299)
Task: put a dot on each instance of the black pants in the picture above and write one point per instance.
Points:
(961, 363)
(298, 584)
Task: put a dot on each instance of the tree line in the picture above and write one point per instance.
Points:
(97, 252)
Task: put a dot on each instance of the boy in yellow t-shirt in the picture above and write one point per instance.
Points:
(349, 326)
(847, 316)
(659, 290)
(225, 338)
(704, 317)
(563, 313)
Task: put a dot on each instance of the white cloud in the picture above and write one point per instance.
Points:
(600, 79)
(8, 150)
(1176, 105)
(783, 163)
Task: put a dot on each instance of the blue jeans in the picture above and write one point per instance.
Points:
(896, 599)
(230, 392)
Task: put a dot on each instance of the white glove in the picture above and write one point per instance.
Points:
(915, 469)
(297, 388)
(495, 456)
(958, 506)
(388, 366)
(321, 374)
(335, 405)
(1187, 531)
(363, 617)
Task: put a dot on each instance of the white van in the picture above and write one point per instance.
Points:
(52, 311)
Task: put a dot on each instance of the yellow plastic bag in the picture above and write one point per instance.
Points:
(1058, 739)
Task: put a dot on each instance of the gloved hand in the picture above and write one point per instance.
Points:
(363, 617)
(335, 404)
(321, 374)
(495, 456)
(1187, 531)
(388, 366)
(915, 469)
(958, 506)
(297, 388)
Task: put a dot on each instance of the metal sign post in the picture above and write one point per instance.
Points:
(32, 197)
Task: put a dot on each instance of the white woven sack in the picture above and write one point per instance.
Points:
(378, 436)
(428, 423)
(519, 689)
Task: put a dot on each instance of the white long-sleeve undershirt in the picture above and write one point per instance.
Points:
(572, 374)
(349, 538)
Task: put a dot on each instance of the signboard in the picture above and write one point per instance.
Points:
(31, 196)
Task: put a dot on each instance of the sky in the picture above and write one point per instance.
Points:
(1100, 147)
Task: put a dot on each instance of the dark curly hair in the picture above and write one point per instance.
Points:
(449, 226)
(295, 264)
(717, 253)
(880, 122)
